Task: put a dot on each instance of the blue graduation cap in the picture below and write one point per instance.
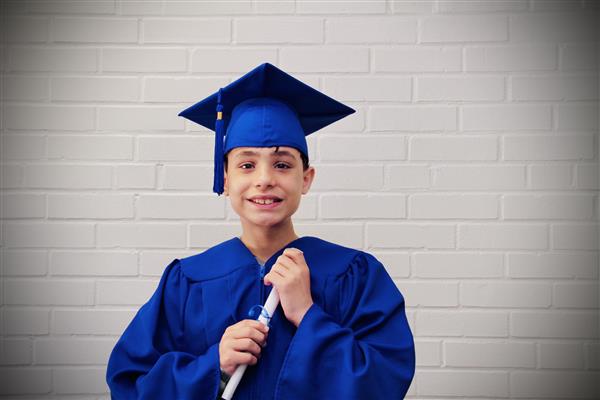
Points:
(264, 108)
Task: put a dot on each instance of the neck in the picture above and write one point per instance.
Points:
(264, 242)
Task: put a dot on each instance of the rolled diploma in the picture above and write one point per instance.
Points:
(270, 306)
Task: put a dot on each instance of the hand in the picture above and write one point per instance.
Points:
(290, 276)
(241, 343)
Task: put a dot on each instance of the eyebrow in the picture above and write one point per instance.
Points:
(274, 153)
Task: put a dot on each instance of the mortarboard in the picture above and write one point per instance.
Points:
(266, 107)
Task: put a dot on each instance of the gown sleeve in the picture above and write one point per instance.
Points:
(147, 362)
(366, 351)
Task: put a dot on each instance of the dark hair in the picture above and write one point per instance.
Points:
(304, 158)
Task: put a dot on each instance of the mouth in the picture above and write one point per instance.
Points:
(265, 202)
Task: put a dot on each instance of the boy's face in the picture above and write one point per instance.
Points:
(265, 185)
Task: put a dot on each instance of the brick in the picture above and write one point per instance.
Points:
(269, 7)
(144, 59)
(553, 265)
(24, 262)
(224, 60)
(15, 352)
(465, 206)
(429, 294)
(592, 355)
(576, 295)
(80, 381)
(368, 88)
(24, 88)
(25, 321)
(355, 148)
(144, 118)
(481, 177)
(175, 148)
(308, 208)
(48, 234)
(416, 59)
(488, 323)
(140, 8)
(460, 88)
(355, 177)
(213, 30)
(410, 236)
(90, 30)
(444, 29)
(69, 7)
(153, 263)
(577, 117)
(187, 177)
(20, 381)
(90, 322)
(428, 353)
(463, 383)
(553, 27)
(561, 355)
(505, 294)
(574, 385)
(412, 118)
(578, 57)
(68, 176)
(349, 235)
(337, 59)
(408, 176)
(23, 147)
(209, 7)
(555, 5)
(587, 176)
(86, 351)
(506, 117)
(135, 176)
(550, 176)
(94, 206)
(575, 237)
(553, 324)
(49, 292)
(363, 206)
(481, 6)
(21, 205)
(453, 148)
(141, 235)
(525, 57)
(90, 147)
(548, 147)
(397, 264)
(502, 236)
(412, 7)
(457, 265)
(124, 292)
(279, 29)
(554, 88)
(53, 59)
(369, 30)
(12, 176)
(93, 263)
(63, 118)
(179, 89)
(571, 206)
(89, 88)
(25, 29)
(340, 7)
(490, 354)
(180, 207)
(208, 235)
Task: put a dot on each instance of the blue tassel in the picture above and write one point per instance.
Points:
(219, 139)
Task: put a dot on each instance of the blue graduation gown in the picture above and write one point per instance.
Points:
(353, 343)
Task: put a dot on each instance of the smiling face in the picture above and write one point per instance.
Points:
(265, 184)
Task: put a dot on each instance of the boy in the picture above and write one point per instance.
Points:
(340, 330)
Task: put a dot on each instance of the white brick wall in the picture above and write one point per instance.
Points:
(470, 169)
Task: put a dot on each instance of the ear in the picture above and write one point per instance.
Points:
(225, 184)
(309, 176)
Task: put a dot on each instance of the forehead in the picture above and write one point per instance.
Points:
(264, 151)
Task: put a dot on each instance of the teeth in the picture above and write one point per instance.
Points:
(261, 201)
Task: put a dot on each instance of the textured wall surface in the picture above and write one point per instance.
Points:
(470, 169)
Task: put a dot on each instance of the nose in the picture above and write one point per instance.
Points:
(265, 177)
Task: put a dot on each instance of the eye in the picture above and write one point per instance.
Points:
(282, 165)
(243, 166)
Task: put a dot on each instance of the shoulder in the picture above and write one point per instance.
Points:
(216, 261)
(330, 258)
